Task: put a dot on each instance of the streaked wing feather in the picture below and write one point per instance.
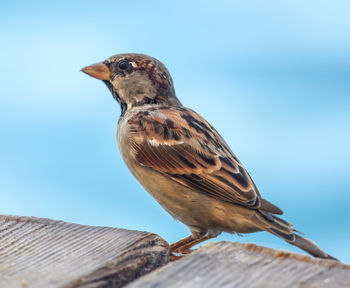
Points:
(181, 144)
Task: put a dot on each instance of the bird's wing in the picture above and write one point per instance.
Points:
(179, 143)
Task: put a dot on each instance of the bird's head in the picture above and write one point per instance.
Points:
(135, 80)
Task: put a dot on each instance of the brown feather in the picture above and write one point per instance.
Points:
(178, 142)
(269, 207)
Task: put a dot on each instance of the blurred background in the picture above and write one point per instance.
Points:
(271, 76)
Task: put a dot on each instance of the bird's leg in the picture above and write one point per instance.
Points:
(184, 246)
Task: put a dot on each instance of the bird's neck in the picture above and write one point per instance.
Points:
(164, 97)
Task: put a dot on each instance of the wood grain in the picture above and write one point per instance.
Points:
(228, 264)
(37, 252)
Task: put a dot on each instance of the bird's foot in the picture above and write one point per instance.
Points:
(175, 255)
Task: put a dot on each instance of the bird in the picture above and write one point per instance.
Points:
(183, 162)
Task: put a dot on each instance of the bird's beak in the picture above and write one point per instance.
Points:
(99, 71)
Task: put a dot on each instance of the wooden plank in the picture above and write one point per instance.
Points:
(37, 252)
(228, 264)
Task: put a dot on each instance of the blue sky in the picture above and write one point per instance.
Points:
(271, 76)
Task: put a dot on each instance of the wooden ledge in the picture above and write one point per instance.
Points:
(36, 252)
(229, 264)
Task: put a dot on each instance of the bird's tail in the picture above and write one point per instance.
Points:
(284, 230)
(310, 247)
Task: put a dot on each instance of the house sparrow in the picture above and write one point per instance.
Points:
(182, 161)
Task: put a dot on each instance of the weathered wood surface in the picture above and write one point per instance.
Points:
(37, 252)
(228, 264)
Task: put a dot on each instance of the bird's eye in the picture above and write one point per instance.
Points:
(123, 65)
